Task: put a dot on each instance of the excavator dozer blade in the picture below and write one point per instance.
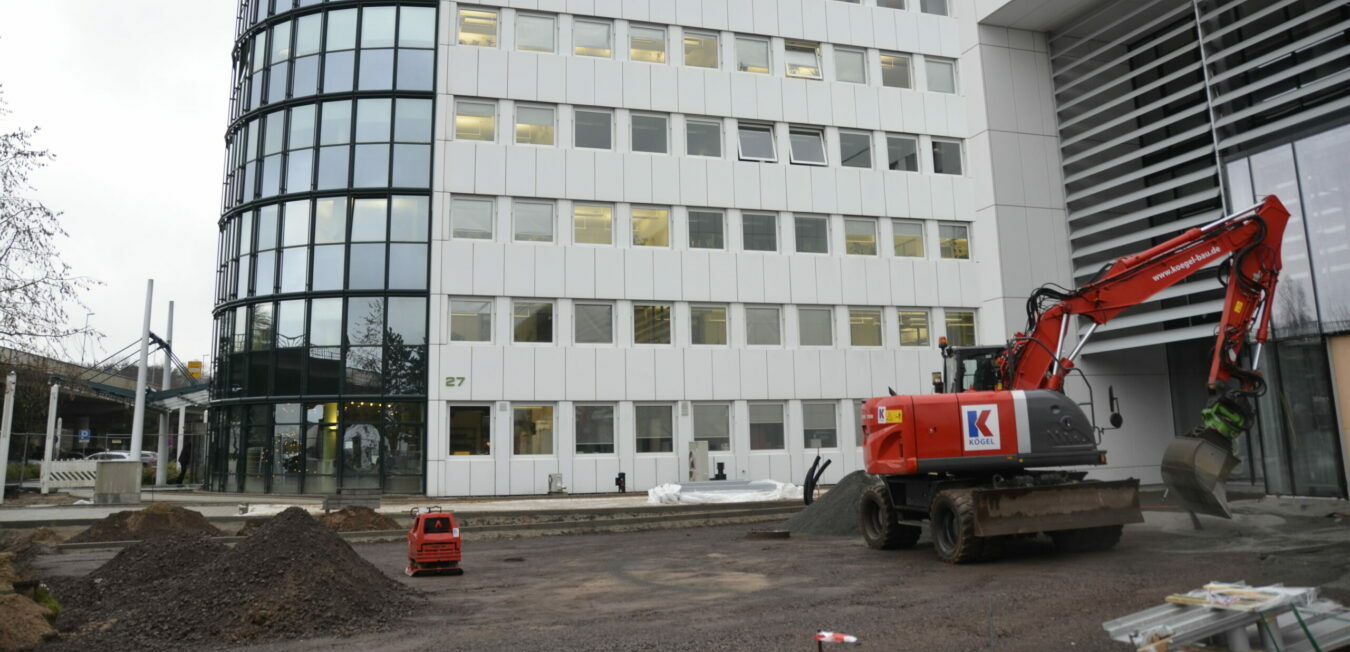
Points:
(1195, 470)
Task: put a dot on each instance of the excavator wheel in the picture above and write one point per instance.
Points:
(1088, 539)
(880, 522)
(953, 525)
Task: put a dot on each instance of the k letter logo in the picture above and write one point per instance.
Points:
(981, 428)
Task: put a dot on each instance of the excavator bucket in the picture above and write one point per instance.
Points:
(1195, 469)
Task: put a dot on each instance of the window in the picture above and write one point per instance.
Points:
(649, 133)
(938, 7)
(895, 71)
(591, 38)
(712, 423)
(954, 241)
(592, 223)
(757, 143)
(593, 323)
(651, 227)
(960, 328)
(595, 429)
(535, 33)
(476, 27)
(864, 325)
(475, 121)
(855, 149)
(763, 326)
(532, 429)
(532, 321)
(850, 65)
(908, 238)
(860, 236)
(891, 4)
(651, 324)
(647, 43)
(913, 327)
(700, 49)
(803, 60)
(533, 221)
(471, 320)
(752, 54)
(703, 138)
(708, 325)
(470, 430)
(813, 235)
(594, 129)
(903, 153)
(654, 427)
(946, 156)
(808, 146)
(705, 230)
(819, 428)
(759, 232)
(941, 75)
(534, 125)
(471, 218)
(766, 426)
(815, 326)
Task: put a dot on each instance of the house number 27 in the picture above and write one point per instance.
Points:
(455, 381)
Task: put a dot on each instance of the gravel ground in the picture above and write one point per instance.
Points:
(714, 589)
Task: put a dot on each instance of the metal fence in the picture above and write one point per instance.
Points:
(26, 452)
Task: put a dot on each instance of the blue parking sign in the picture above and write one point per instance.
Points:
(84, 435)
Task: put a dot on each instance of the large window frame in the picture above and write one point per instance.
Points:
(753, 149)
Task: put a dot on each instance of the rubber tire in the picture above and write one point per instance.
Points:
(880, 522)
(953, 528)
(1090, 539)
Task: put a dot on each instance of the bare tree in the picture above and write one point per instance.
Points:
(35, 284)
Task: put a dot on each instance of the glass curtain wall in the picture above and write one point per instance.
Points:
(322, 273)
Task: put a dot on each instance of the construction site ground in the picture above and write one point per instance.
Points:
(713, 588)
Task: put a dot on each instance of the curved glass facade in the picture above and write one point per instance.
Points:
(322, 273)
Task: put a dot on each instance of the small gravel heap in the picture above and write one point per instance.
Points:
(292, 579)
(836, 512)
(158, 519)
(358, 518)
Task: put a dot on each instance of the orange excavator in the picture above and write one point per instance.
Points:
(983, 459)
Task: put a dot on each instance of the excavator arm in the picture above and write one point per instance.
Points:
(1248, 244)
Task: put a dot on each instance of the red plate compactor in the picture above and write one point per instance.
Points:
(433, 543)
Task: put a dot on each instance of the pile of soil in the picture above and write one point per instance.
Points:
(358, 518)
(156, 520)
(293, 578)
(25, 544)
(836, 512)
(24, 624)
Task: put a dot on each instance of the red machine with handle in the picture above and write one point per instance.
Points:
(964, 460)
(433, 543)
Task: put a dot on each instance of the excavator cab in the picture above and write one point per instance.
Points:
(968, 368)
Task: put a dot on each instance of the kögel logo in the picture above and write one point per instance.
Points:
(981, 427)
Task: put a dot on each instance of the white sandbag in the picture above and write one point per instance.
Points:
(729, 491)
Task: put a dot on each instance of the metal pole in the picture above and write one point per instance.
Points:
(138, 416)
(51, 433)
(6, 421)
(182, 430)
(162, 450)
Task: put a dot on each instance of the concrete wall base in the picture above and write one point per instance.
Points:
(118, 483)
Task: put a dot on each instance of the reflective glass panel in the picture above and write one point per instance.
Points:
(532, 432)
(377, 70)
(815, 326)
(855, 149)
(328, 267)
(705, 230)
(763, 326)
(647, 44)
(813, 235)
(712, 423)
(954, 241)
(819, 427)
(850, 65)
(594, 429)
(895, 71)
(471, 320)
(368, 219)
(864, 327)
(593, 129)
(908, 237)
(913, 327)
(708, 325)
(703, 138)
(860, 236)
(471, 218)
(651, 324)
(475, 121)
(367, 267)
(532, 321)
(903, 153)
(594, 323)
(752, 55)
(591, 38)
(407, 267)
(654, 425)
(535, 33)
(766, 426)
(649, 133)
(759, 232)
(533, 221)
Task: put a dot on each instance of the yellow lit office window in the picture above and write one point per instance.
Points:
(593, 224)
(960, 328)
(908, 237)
(895, 71)
(478, 27)
(864, 327)
(803, 60)
(532, 429)
(651, 227)
(534, 125)
(954, 241)
(913, 327)
(591, 39)
(475, 121)
(651, 324)
(700, 50)
(647, 44)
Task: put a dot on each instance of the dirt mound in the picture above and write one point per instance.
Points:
(24, 544)
(836, 512)
(156, 520)
(24, 624)
(358, 518)
(292, 578)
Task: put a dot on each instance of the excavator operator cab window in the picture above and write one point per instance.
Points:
(974, 369)
(436, 525)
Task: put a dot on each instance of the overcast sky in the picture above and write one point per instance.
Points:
(132, 97)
